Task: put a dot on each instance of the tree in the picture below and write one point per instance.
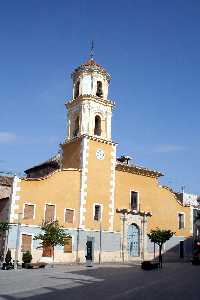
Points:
(4, 227)
(53, 235)
(159, 237)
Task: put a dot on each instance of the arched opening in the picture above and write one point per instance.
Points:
(97, 126)
(76, 127)
(99, 92)
(76, 92)
(133, 239)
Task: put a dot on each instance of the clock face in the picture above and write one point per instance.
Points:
(100, 154)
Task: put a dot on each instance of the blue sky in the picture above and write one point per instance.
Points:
(151, 49)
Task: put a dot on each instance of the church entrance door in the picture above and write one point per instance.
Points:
(133, 240)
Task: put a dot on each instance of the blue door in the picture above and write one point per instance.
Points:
(133, 240)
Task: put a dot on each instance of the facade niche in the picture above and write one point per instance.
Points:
(99, 92)
(97, 127)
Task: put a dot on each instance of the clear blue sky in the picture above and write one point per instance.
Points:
(152, 51)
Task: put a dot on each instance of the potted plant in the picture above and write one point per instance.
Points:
(8, 264)
(26, 258)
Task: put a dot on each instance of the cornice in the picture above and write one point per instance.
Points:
(138, 170)
(89, 137)
(71, 103)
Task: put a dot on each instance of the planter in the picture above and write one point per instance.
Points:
(148, 265)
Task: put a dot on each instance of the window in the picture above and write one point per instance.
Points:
(181, 221)
(28, 211)
(99, 92)
(26, 242)
(76, 127)
(68, 245)
(97, 212)
(97, 127)
(69, 215)
(49, 213)
(76, 93)
(134, 200)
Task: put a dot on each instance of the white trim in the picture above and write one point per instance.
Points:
(112, 189)
(83, 182)
(73, 215)
(29, 203)
(138, 198)
(49, 203)
(101, 211)
(14, 198)
(181, 213)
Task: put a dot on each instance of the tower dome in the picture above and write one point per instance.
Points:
(91, 79)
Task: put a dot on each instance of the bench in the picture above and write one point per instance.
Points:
(36, 265)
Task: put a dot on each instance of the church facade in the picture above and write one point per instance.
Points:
(105, 204)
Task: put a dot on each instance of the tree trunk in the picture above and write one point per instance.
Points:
(53, 257)
(160, 255)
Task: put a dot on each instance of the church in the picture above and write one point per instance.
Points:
(106, 204)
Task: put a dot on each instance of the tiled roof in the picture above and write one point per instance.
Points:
(138, 170)
(5, 192)
(52, 160)
(6, 180)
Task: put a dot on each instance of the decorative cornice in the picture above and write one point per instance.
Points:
(82, 98)
(138, 170)
(125, 211)
(90, 137)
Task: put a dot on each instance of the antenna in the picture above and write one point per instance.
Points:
(92, 50)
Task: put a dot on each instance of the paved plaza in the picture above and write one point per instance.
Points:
(174, 281)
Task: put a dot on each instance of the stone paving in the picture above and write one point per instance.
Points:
(107, 282)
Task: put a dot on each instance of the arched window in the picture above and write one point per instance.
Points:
(76, 127)
(99, 92)
(97, 127)
(76, 92)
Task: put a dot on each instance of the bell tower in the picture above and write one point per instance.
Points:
(90, 110)
(88, 147)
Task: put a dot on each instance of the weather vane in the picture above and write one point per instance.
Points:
(92, 50)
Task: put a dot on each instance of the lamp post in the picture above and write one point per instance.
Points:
(17, 239)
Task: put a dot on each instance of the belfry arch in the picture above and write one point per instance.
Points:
(97, 125)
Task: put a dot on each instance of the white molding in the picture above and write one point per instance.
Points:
(83, 182)
(112, 189)
(14, 198)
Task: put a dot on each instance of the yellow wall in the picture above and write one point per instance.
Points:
(159, 201)
(98, 183)
(60, 188)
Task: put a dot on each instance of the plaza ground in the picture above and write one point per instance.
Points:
(111, 281)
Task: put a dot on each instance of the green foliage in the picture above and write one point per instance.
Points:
(8, 257)
(53, 235)
(27, 257)
(4, 226)
(160, 236)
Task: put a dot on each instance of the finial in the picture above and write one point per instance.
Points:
(92, 50)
